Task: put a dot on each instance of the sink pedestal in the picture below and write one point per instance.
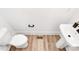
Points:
(61, 43)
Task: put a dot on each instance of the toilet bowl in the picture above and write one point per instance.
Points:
(19, 41)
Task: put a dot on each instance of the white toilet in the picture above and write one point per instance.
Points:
(6, 40)
(19, 41)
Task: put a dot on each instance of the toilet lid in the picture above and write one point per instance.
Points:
(18, 40)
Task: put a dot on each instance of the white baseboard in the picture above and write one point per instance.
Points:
(40, 33)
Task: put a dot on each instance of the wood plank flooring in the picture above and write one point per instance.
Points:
(40, 43)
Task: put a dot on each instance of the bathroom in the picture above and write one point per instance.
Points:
(35, 29)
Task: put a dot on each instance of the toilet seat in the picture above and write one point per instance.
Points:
(19, 40)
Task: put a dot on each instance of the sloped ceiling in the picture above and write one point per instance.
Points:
(46, 20)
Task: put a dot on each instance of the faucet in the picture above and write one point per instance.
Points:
(76, 24)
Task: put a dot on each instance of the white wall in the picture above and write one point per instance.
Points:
(46, 20)
(75, 16)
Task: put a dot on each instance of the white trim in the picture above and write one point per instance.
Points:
(41, 33)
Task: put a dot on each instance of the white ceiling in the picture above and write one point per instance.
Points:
(46, 20)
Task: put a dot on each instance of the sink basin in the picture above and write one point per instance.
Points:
(70, 34)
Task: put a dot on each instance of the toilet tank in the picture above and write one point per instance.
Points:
(5, 36)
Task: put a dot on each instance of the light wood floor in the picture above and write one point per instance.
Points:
(40, 43)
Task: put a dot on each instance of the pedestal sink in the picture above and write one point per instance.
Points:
(69, 38)
(70, 34)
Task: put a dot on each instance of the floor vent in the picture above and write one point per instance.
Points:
(39, 37)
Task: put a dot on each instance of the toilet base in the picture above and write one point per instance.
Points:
(23, 46)
(5, 47)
